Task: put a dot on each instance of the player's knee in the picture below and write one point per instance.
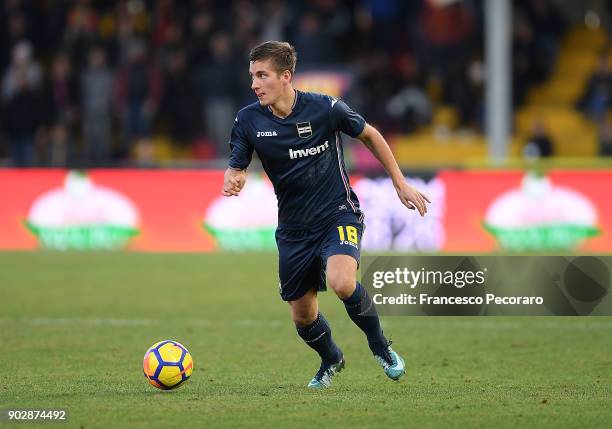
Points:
(342, 283)
(304, 310)
(303, 319)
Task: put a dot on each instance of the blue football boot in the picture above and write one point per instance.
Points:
(325, 374)
(392, 363)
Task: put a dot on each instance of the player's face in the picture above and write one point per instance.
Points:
(266, 82)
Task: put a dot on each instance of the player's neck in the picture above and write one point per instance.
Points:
(285, 104)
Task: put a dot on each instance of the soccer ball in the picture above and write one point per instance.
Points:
(167, 365)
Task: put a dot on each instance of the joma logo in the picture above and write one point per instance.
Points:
(266, 134)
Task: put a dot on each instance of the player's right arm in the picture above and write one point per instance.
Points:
(233, 182)
(240, 158)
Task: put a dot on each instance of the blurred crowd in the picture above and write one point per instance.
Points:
(88, 82)
(596, 102)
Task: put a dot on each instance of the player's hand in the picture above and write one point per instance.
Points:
(233, 182)
(412, 198)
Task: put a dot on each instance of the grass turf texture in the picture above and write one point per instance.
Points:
(74, 328)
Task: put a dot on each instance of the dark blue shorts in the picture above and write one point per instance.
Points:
(302, 254)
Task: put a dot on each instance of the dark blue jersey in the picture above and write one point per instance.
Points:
(302, 155)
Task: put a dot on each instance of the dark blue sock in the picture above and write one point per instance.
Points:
(362, 312)
(318, 336)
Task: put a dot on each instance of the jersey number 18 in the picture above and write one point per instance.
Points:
(351, 233)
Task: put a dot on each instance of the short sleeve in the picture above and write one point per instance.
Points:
(241, 150)
(344, 119)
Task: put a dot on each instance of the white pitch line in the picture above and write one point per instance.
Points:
(61, 321)
(82, 321)
(488, 323)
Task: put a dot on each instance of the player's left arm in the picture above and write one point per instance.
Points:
(409, 196)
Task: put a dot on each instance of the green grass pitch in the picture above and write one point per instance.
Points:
(74, 328)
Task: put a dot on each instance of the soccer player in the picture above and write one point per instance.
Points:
(297, 138)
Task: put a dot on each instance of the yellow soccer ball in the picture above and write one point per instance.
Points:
(167, 365)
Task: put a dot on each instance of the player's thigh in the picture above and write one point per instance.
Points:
(299, 265)
(305, 309)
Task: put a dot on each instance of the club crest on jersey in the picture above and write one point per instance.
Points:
(304, 129)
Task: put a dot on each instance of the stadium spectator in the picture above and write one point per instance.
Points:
(538, 27)
(55, 18)
(23, 119)
(174, 40)
(278, 17)
(446, 29)
(244, 22)
(544, 16)
(526, 63)
(605, 138)
(464, 90)
(374, 86)
(382, 20)
(597, 98)
(164, 23)
(23, 66)
(540, 144)
(61, 146)
(63, 104)
(64, 90)
(199, 41)
(218, 88)
(132, 28)
(97, 86)
(139, 91)
(22, 103)
(14, 27)
(181, 102)
(409, 107)
(81, 29)
(311, 42)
